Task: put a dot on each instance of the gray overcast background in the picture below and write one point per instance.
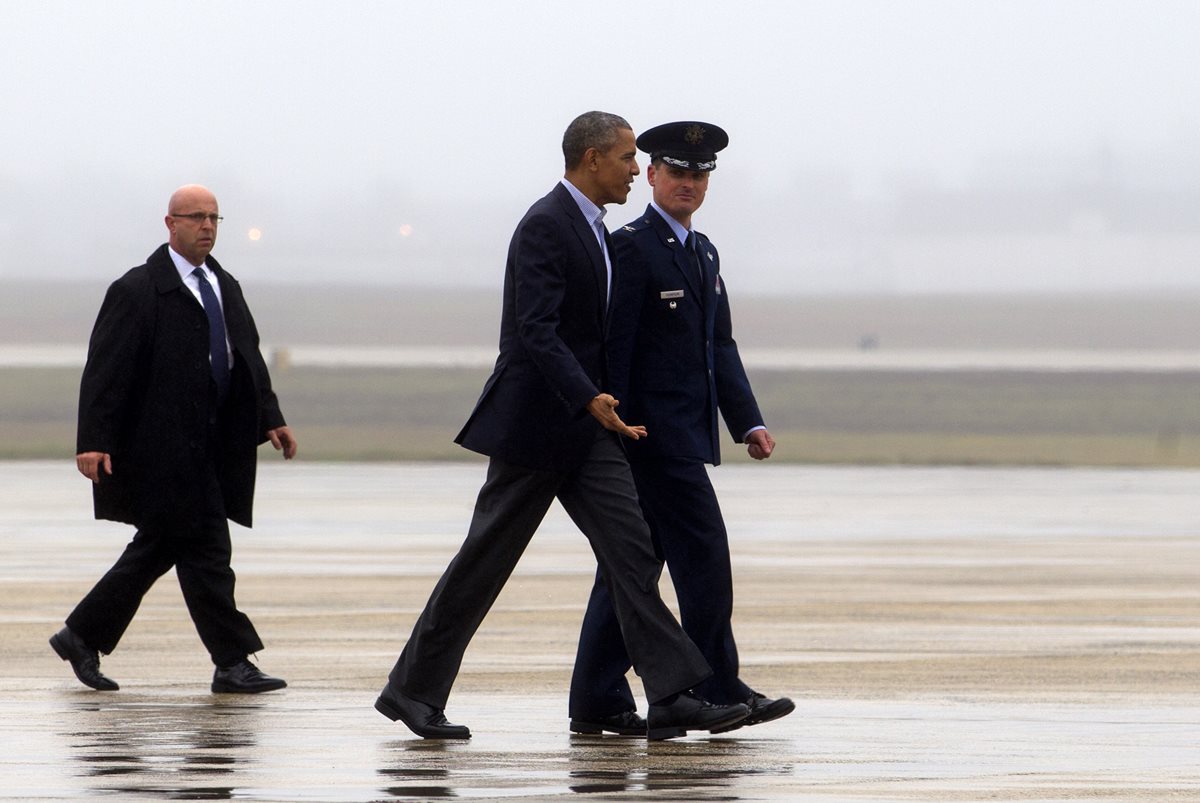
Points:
(892, 147)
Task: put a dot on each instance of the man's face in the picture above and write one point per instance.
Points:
(616, 169)
(193, 236)
(678, 192)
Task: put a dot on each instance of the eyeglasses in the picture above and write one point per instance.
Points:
(200, 217)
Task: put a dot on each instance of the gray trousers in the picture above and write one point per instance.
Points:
(600, 498)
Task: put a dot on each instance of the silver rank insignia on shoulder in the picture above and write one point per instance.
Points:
(710, 256)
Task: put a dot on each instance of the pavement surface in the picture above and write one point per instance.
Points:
(947, 635)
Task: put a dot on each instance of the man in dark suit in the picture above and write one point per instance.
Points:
(675, 364)
(174, 401)
(551, 432)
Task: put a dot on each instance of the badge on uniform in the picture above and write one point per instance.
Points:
(671, 294)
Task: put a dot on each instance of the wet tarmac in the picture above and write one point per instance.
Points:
(947, 634)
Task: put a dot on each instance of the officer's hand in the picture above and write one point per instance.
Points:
(760, 444)
(282, 439)
(604, 409)
(90, 463)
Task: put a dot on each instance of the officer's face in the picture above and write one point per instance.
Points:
(616, 168)
(678, 192)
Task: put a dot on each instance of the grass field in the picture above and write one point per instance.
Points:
(880, 417)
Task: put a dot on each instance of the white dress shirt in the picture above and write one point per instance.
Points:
(185, 269)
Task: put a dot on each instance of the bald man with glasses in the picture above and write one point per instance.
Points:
(174, 401)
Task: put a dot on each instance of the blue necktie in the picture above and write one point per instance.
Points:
(217, 354)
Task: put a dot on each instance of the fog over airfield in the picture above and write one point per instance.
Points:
(891, 146)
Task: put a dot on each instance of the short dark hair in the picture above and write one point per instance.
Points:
(591, 130)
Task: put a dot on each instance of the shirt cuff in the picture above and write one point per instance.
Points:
(752, 429)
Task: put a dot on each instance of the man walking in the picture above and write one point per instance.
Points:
(174, 401)
(551, 431)
(675, 364)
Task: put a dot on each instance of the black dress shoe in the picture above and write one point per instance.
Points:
(762, 709)
(688, 712)
(626, 723)
(421, 718)
(84, 660)
(244, 678)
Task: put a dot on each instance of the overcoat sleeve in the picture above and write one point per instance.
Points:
(117, 346)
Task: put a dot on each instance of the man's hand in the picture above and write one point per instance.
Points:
(282, 439)
(89, 464)
(604, 409)
(760, 444)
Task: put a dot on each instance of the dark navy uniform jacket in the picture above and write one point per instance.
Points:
(673, 361)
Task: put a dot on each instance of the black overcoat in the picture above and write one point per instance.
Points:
(147, 399)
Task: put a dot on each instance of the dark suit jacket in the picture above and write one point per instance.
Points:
(147, 398)
(533, 409)
(673, 358)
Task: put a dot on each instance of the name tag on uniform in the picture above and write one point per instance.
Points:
(671, 294)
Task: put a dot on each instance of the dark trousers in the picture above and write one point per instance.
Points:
(199, 548)
(689, 534)
(599, 497)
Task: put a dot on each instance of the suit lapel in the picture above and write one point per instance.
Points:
(587, 237)
(708, 281)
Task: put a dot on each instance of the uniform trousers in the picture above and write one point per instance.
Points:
(680, 506)
(599, 497)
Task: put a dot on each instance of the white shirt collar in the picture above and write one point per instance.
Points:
(185, 268)
(591, 212)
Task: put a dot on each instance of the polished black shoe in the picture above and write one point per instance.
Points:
(84, 660)
(244, 678)
(762, 709)
(690, 712)
(421, 718)
(626, 723)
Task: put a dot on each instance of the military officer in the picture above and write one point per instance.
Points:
(674, 365)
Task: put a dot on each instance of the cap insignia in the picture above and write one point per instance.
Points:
(694, 134)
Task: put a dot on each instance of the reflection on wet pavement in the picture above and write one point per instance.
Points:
(181, 745)
(947, 635)
(705, 768)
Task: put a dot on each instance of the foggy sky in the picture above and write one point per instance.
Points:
(875, 146)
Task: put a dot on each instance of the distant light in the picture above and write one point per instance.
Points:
(406, 229)
(255, 234)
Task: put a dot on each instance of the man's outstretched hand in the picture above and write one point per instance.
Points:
(604, 409)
